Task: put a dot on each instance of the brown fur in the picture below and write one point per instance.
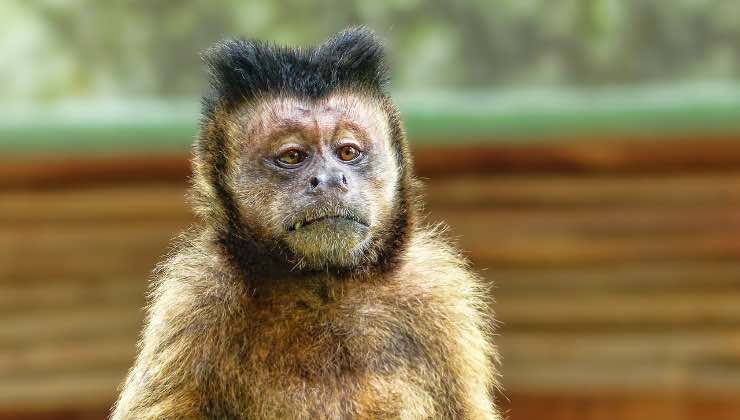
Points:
(240, 327)
(414, 344)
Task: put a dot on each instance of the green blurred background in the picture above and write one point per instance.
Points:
(586, 153)
(521, 68)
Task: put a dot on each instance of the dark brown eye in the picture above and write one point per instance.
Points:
(292, 157)
(348, 153)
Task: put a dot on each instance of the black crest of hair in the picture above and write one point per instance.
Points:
(243, 69)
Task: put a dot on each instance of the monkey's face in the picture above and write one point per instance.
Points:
(318, 177)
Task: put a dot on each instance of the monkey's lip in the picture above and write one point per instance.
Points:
(331, 218)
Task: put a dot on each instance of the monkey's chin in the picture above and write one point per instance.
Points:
(328, 242)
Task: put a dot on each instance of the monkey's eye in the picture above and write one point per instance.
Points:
(292, 157)
(348, 153)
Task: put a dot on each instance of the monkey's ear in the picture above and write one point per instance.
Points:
(354, 55)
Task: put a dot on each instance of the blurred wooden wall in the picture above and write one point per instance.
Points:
(616, 265)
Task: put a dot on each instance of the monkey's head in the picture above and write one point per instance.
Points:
(302, 163)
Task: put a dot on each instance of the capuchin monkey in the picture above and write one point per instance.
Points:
(309, 287)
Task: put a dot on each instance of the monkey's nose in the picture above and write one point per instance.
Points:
(328, 181)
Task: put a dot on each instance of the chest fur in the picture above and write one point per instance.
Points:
(331, 351)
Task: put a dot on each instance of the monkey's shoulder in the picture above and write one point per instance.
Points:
(434, 263)
(192, 288)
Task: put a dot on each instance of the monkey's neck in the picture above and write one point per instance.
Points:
(261, 264)
(254, 260)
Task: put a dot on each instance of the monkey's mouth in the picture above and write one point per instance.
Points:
(327, 218)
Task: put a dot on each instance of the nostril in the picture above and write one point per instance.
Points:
(344, 179)
(314, 182)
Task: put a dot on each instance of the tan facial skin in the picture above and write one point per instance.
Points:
(324, 209)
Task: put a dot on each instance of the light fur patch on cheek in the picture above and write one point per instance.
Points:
(390, 183)
(277, 211)
(261, 206)
(383, 192)
(388, 171)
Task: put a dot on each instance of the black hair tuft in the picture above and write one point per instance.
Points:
(244, 69)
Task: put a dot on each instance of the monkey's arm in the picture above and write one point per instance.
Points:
(475, 368)
(142, 403)
(154, 390)
(162, 383)
(466, 357)
(459, 324)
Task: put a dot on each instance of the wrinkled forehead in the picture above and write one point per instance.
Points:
(322, 116)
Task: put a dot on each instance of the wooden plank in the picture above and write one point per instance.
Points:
(106, 267)
(689, 277)
(586, 404)
(51, 172)
(574, 376)
(73, 389)
(60, 295)
(691, 361)
(669, 347)
(618, 221)
(604, 283)
(581, 405)
(565, 249)
(637, 278)
(100, 321)
(583, 156)
(636, 312)
(70, 356)
(123, 235)
(42, 251)
(577, 156)
(607, 313)
(73, 411)
(144, 244)
(682, 190)
(79, 206)
(506, 192)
